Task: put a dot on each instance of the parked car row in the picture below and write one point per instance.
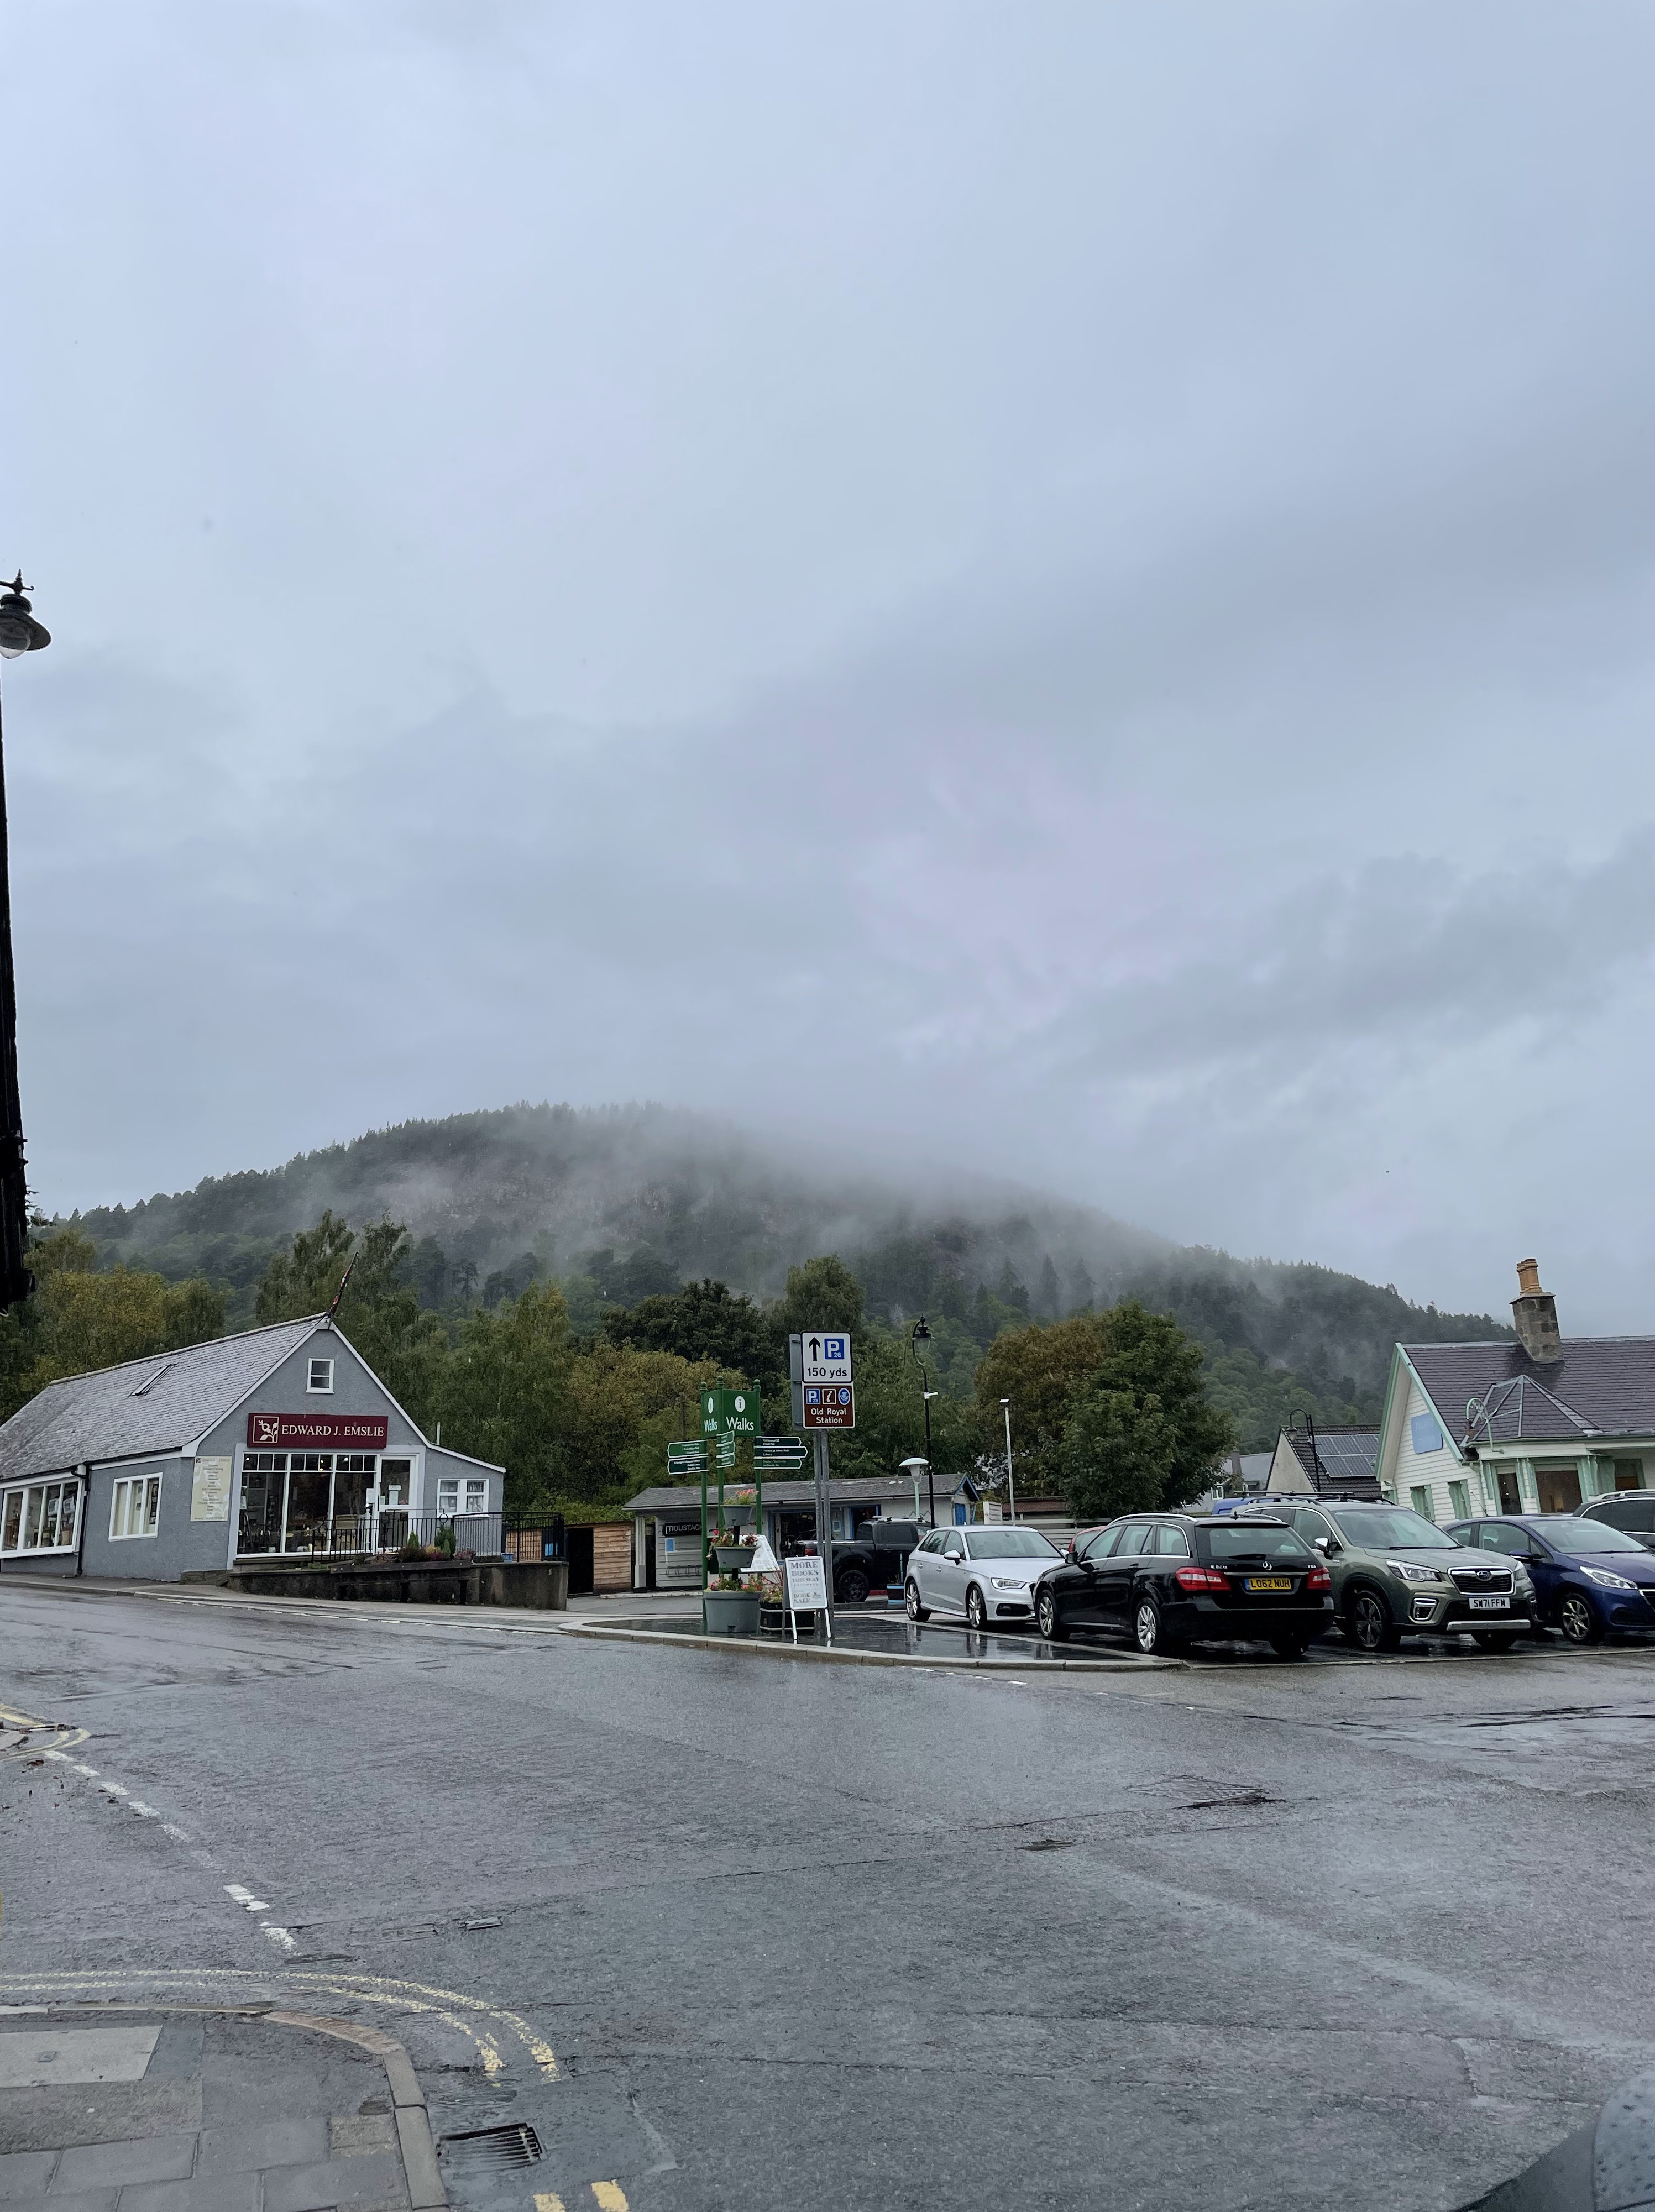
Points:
(1285, 1574)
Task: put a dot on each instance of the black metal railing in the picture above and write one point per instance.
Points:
(395, 1532)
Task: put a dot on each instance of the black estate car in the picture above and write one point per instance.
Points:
(1169, 1579)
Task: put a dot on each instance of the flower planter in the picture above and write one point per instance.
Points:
(734, 1558)
(731, 1613)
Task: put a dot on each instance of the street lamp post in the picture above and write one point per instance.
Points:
(1010, 1487)
(923, 1335)
(18, 634)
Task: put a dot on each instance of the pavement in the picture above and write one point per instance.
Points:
(151, 2109)
(674, 1931)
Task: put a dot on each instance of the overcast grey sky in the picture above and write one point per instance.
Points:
(1064, 588)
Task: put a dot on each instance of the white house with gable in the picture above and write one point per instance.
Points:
(1539, 1426)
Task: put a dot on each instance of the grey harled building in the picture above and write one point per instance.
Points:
(281, 1439)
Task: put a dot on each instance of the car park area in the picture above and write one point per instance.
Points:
(1192, 1912)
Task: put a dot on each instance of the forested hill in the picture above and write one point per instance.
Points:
(621, 1202)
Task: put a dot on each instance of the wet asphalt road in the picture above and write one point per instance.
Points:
(1350, 1934)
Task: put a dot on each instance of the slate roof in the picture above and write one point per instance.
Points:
(1601, 1385)
(1348, 1460)
(99, 1416)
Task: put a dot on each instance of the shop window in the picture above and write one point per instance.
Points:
(135, 1508)
(321, 1375)
(1420, 1498)
(40, 1516)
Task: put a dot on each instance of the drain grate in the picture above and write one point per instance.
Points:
(490, 2148)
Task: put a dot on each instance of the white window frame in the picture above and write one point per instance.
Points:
(461, 1508)
(314, 1389)
(22, 1491)
(121, 1494)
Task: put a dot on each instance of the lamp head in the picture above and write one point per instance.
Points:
(921, 1333)
(915, 1466)
(19, 631)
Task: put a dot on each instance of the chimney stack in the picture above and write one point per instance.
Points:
(1535, 1313)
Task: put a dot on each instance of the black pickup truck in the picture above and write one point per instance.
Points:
(875, 1558)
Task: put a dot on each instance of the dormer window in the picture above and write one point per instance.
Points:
(321, 1375)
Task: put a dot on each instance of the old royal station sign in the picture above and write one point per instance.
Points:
(318, 1431)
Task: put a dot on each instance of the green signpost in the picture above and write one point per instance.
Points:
(725, 1415)
(730, 1412)
(780, 1455)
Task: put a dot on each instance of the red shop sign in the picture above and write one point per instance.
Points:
(318, 1431)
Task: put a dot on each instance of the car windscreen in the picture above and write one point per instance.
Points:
(1010, 1544)
(1254, 1540)
(1391, 1528)
(1571, 1534)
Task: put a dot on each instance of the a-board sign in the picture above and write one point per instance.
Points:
(729, 1413)
(806, 1582)
(827, 1406)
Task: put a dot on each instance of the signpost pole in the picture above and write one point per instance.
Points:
(703, 1536)
(824, 1526)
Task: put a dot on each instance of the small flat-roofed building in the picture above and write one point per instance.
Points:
(276, 1440)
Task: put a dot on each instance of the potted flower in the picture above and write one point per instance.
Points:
(734, 1548)
(729, 1608)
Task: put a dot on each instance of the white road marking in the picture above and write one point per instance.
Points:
(279, 1936)
(245, 1898)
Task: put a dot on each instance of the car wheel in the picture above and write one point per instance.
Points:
(911, 1600)
(852, 1587)
(1151, 1639)
(977, 1614)
(1289, 1647)
(1369, 1626)
(1577, 1619)
(1045, 1616)
(1492, 1639)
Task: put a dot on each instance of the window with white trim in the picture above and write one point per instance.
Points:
(469, 1496)
(135, 1508)
(321, 1375)
(40, 1516)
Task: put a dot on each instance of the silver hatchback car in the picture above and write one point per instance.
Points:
(986, 1574)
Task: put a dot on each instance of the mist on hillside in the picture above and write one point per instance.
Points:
(640, 1198)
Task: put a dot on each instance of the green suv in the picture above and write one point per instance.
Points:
(1395, 1574)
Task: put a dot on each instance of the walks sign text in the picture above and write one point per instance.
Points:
(729, 1413)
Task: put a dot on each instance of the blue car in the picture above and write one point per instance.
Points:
(1588, 1578)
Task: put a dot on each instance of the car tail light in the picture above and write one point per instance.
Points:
(1319, 1579)
(1195, 1578)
